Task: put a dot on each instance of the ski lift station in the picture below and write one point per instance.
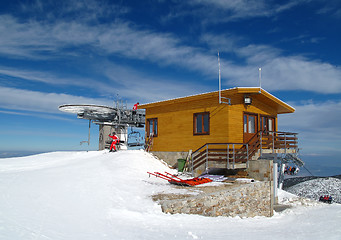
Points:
(230, 129)
(110, 119)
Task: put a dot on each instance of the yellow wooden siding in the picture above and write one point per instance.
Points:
(175, 125)
(236, 114)
(175, 122)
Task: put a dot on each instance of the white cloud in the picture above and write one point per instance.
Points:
(143, 87)
(41, 40)
(85, 10)
(42, 77)
(226, 10)
(278, 72)
(330, 8)
(317, 124)
(26, 100)
(297, 73)
(34, 39)
(35, 114)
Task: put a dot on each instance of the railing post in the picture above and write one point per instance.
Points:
(228, 156)
(206, 167)
(285, 143)
(233, 156)
(296, 144)
(273, 142)
(261, 143)
(247, 155)
(192, 170)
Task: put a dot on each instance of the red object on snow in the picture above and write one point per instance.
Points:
(115, 140)
(178, 181)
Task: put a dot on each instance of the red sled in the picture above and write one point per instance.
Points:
(178, 181)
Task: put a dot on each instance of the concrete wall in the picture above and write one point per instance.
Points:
(265, 170)
(261, 169)
(246, 200)
(170, 158)
(105, 130)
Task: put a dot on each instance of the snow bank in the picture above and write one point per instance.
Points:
(315, 188)
(101, 195)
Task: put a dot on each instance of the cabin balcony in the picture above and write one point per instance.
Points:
(238, 155)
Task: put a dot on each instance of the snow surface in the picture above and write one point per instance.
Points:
(315, 188)
(101, 195)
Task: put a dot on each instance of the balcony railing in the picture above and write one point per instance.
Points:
(230, 154)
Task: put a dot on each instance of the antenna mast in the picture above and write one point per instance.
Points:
(260, 78)
(225, 100)
(219, 79)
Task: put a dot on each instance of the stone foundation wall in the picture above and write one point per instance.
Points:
(170, 157)
(245, 200)
(261, 170)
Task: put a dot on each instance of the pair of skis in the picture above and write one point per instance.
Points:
(178, 181)
(149, 142)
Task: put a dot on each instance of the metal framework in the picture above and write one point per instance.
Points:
(119, 118)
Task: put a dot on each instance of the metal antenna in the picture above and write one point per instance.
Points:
(225, 99)
(260, 79)
(219, 79)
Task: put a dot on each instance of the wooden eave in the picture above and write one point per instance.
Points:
(267, 98)
(254, 92)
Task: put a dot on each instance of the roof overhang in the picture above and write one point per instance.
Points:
(255, 92)
(266, 97)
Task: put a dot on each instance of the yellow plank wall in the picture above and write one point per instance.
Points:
(236, 113)
(175, 122)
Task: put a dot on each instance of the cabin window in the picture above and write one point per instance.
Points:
(152, 127)
(271, 124)
(250, 123)
(245, 123)
(250, 126)
(201, 123)
(267, 123)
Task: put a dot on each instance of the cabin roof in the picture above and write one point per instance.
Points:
(255, 92)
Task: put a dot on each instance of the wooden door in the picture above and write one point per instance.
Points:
(250, 126)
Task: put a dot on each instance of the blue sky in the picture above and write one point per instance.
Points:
(58, 52)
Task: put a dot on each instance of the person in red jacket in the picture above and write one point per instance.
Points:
(136, 106)
(115, 140)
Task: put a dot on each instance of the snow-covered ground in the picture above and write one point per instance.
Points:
(100, 195)
(315, 188)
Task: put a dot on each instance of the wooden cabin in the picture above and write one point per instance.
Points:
(236, 124)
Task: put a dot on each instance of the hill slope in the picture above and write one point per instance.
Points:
(101, 195)
(317, 187)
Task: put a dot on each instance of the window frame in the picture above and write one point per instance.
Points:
(195, 117)
(154, 120)
(246, 123)
(265, 125)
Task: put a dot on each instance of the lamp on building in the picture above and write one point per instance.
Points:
(247, 100)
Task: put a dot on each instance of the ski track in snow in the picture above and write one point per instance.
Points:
(101, 195)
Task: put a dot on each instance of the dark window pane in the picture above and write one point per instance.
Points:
(150, 126)
(199, 123)
(206, 123)
(252, 124)
(245, 124)
(155, 127)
